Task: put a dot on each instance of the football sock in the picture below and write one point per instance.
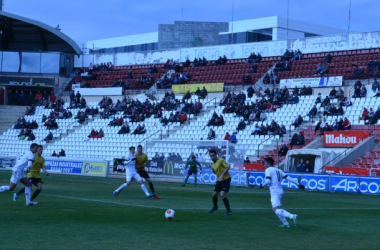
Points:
(22, 190)
(187, 178)
(226, 203)
(215, 201)
(151, 187)
(28, 190)
(195, 180)
(284, 213)
(35, 194)
(4, 188)
(121, 187)
(282, 218)
(144, 189)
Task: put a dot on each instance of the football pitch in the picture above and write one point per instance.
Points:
(77, 212)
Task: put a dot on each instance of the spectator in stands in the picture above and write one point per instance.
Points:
(347, 103)
(364, 115)
(183, 118)
(256, 130)
(333, 93)
(211, 134)
(363, 91)
(313, 111)
(253, 68)
(294, 140)
(62, 153)
(301, 166)
(263, 116)
(233, 138)
(247, 161)
(140, 129)
(241, 125)
(283, 150)
(124, 129)
(328, 58)
(356, 92)
(346, 124)
(31, 136)
(204, 93)
(375, 85)
(298, 121)
(370, 115)
(325, 102)
(318, 99)
(49, 137)
(295, 99)
(187, 96)
(250, 92)
(340, 93)
(375, 117)
(297, 55)
(54, 154)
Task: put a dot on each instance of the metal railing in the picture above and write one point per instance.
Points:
(146, 138)
(339, 155)
(213, 99)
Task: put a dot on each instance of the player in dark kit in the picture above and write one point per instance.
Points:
(193, 163)
(220, 167)
(141, 162)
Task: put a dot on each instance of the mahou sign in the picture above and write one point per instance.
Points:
(347, 139)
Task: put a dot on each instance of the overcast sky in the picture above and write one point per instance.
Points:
(85, 20)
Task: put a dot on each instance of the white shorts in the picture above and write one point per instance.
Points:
(17, 176)
(134, 175)
(276, 197)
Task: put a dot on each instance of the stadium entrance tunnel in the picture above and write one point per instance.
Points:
(317, 158)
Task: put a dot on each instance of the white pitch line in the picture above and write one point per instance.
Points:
(234, 208)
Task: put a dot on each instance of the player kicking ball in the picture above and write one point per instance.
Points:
(23, 165)
(220, 167)
(130, 172)
(273, 178)
(193, 163)
(34, 175)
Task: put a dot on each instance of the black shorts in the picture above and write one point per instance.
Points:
(35, 181)
(190, 172)
(223, 186)
(143, 174)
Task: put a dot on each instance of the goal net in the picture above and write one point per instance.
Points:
(183, 150)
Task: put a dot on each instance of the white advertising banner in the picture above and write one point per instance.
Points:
(101, 91)
(365, 40)
(74, 87)
(333, 81)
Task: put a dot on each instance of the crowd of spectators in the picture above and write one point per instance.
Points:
(336, 125)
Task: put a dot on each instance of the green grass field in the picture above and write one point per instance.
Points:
(81, 213)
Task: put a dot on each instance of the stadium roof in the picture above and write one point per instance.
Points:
(23, 34)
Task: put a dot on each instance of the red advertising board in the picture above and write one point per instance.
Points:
(344, 139)
(254, 166)
(347, 170)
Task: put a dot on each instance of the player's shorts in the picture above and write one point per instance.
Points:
(133, 175)
(190, 172)
(276, 197)
(17, 176)
(223, 186)
(35, 181)
(143, 174)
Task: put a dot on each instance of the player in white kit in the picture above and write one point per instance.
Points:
(130, 172)
(273, 177)
(19, 174)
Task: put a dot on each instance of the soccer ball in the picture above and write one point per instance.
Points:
(170, 214)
